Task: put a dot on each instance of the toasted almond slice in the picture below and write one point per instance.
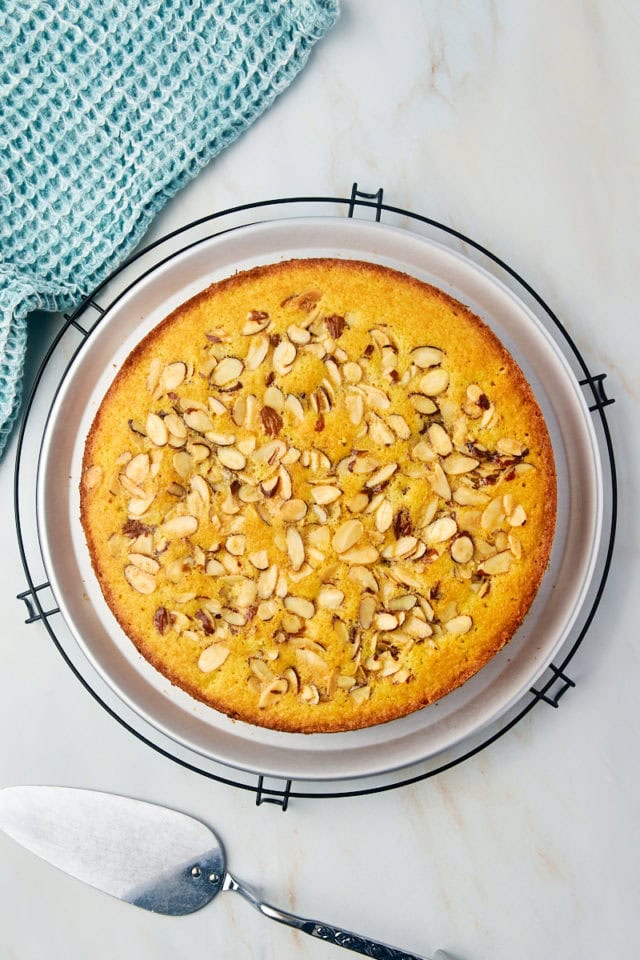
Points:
(375, 398)
(172, 376)
(213, 657)
(330, 598)
(355, 408)
(360, 695)
(256, 321)
(509, 447)
(300, 606)
(440, 440)
(515, 546)
(459, 625)
(132, 488)
(139, 579)
(283, 357)
(156, 430)
(424, 357)
(138, 506)
(232, 458)
(293, 510)
(153, 375)
(143, 562)
(324, 494)
(260, 669)
(178, 527)
(294, 407)
(272, 693)
(399, 426)
(295, 548)
(423, 452)
(434, 382)
(236, 544)
(468, 497)
(239, 410)
(214, 568)
(498, 563)
(274, 398)
(267, 609)
(493, 514)
(257, 352)
(259, 559)
(379, 431)
(267, 582)
(92, 477)
(358, 503)
(384, 516)
(347, 534)
(137, 469)
(462, 549)
(309, 694)
(385, 621)
(457, 463)
(422, 404)
(198, 420)
(385, 473)
(271, 452)
(352, 372)
(518, 516)
(228, 370)
(360, 555)
(440, 530)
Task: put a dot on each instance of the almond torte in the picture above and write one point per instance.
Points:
(319, 496)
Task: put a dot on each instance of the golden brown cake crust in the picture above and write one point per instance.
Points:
(476, 474)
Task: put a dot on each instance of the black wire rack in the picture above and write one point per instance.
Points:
(38, 596)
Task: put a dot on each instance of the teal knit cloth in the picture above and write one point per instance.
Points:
(107, 108)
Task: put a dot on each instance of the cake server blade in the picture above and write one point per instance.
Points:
(147, 855)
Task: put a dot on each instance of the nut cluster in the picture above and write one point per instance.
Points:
(204, 482)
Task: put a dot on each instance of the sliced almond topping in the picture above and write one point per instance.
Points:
(375, 398)
(267, 582)
(172, 376)
(352, 372)
(260, 669)
(257, 352)
(274, 398)
(360, 554)
(403, 603)
(179, 527)
(355, 408)
(153, 376)
(493, 514)
(272, 693)
(459, 625)
(143, 562)
(468, 497)
(379, 431)
(440, 440)
(259, 559)
(137, 469)
(457, 463)
(216, 406)
(384, 516)
(156, 430)
(139, 579)
(198, 420)
(385, 621)
(213, 657)
(434, 382)
(300, 606)
(294, 407)
(228, 370)
(92, 477)
(424, 357)
(510, 448)
(518, 516)
(441, 530)
(309, 694)
(295, 548)
(236, 544)
(293, 510)
(231, 458)
(364, 463)
(515, 546)
(267, 609)
(360, 695)
(138, 506)
(422, 404)
(424, 452)
(214, 568)
(399, 426)
(358, 503)
(132, 488)
(347, 534)
(462, 549)
(385, 473)
(325, 494)
(498, 563)
(330, 598)
(256, 321)
(283, 357)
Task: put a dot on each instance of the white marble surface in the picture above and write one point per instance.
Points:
(517, 124)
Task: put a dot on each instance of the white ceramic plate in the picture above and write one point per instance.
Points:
(389, 746)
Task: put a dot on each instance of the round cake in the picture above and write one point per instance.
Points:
(319, 496)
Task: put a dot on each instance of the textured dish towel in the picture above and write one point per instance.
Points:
(107, 108)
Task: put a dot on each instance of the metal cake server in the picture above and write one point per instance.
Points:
(147, 855)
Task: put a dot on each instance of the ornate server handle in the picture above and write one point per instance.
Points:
(326, 932)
